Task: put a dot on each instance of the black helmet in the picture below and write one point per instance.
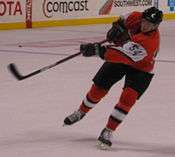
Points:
(153, 15)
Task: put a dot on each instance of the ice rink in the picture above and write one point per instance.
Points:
(32, 111)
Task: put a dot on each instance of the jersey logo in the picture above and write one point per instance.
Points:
(153, 15)
(133, 50)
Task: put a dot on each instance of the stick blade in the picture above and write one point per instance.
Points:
(14, 71)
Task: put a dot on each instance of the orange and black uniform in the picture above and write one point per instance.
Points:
(150, 41)
(137, 70)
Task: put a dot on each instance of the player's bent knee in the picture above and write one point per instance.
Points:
(128, 98)
(96, 93)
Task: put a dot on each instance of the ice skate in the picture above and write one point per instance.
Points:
(104, 140)
(73, 118)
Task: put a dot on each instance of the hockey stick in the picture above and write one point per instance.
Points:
(14, 70)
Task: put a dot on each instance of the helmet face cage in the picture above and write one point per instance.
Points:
(153, 15)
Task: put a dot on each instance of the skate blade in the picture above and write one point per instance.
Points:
(65, 125)
(102, 146)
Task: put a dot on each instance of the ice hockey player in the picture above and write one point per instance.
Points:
(133, 45)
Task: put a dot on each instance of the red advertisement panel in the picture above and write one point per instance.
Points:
(29, 13)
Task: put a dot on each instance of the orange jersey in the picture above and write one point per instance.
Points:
(140, 52)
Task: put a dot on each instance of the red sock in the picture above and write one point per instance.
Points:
(94, 95)
(127, 100)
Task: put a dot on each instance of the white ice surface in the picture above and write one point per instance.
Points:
(32, 111)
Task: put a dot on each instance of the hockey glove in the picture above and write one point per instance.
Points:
(118, 32)
(92, 49)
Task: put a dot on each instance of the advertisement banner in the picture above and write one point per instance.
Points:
(12, 11)
(171, 5)
(72, 9)
(120, 7)
(168, 6)
(43, 13)
(63, 9)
